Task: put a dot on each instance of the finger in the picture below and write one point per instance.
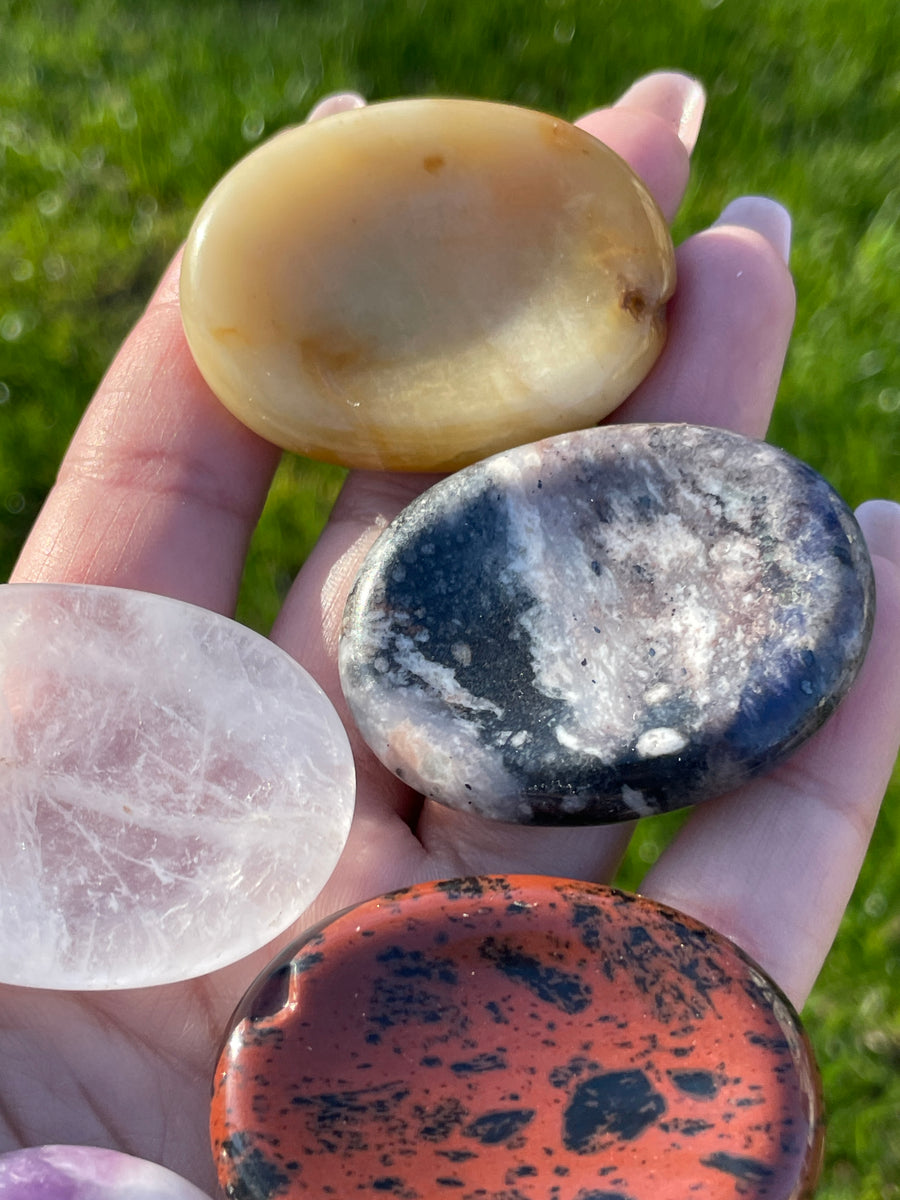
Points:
(730, 323)
(463, 844)
(773, 865)
(161, 488)
(338, 102)
(639, 127)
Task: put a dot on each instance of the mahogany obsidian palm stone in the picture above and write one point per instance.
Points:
(606, 624)
(516, 1038)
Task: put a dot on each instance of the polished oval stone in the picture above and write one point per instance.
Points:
(88, 1173)
(606, 624)
(415, 285)
(176, 789)
(516, 1039)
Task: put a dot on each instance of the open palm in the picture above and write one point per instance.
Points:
(161, 490)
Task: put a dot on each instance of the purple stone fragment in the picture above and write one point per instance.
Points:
(88, 1173)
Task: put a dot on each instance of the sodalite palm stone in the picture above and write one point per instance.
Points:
(176, 788)
(606, 624)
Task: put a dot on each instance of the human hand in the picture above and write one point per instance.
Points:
(161, 490)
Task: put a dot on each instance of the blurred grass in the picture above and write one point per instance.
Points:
(115, 122)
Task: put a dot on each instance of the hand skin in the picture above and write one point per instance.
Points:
(161, 490)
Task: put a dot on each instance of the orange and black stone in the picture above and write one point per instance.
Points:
(516, 1038)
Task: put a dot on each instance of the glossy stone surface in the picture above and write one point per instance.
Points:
(88, 1173)
(521, 1037)
(606, 624)
(176, 789)
(418, 284)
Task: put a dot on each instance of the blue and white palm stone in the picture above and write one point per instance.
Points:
(606, 624)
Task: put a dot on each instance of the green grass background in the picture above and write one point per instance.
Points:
(116, 120)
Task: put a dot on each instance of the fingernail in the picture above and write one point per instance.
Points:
(337, 103)
(678, 98)
(763, 214)
(880, 523)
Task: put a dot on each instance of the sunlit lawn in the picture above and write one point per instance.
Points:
(115, 122)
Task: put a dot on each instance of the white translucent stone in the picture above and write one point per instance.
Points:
(176, 789)
(88, 1173)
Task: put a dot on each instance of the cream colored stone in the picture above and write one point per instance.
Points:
(418, 284)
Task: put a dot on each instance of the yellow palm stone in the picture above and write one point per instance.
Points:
(418, 284)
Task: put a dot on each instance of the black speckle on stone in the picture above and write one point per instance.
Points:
(776, 1043)
(397, 893)
(747, 1170)
(591, 922)
(497, 1014)
(594, 1195)
(562, 1076)
(256, 1177)
(619, 1104)
(414, 964)
(563, 989)
(686, 1127)
(350, 1113)
(491, 1128)
(467, 887)
(436, 1124)
(480, 1063)
(414, 987)
(449, 1181)
(703, 1084)
(388, 1183)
